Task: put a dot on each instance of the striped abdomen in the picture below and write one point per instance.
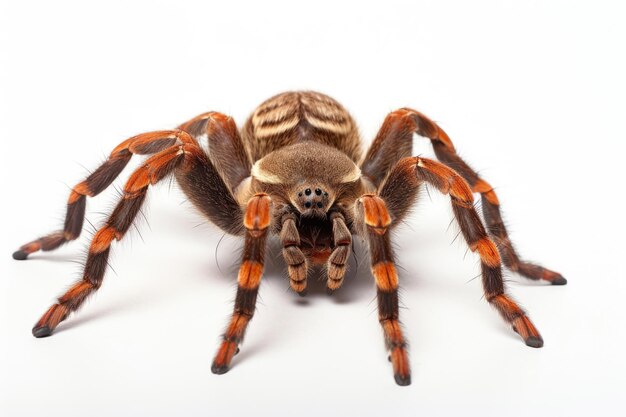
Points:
(293, 117)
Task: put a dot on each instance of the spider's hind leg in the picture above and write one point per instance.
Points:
(411, 172)
(184, 155)
(395, 138)
(94, 184)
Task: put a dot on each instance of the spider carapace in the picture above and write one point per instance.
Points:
(296, 171)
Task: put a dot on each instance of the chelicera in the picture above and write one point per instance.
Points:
(296, 171)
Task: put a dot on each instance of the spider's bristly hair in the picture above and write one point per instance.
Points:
(295, 170)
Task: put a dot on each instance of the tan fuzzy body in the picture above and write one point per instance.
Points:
(300, 116)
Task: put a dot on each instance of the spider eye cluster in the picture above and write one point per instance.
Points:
(312, 200)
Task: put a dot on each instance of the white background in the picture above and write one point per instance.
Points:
(531, 92)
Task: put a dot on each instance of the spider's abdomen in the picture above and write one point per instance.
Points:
(294, 117)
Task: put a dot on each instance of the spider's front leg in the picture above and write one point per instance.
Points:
(256, 221)
(373, 220)
(408, 175)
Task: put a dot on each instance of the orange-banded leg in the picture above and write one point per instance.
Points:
(256, 221)
(338, 259)
(153, 170)
(98, 181)
(226, 149)
(297, 264)
(411, 172)
(372, 213)
(395, 137)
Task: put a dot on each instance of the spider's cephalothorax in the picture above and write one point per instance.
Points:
(296, 171)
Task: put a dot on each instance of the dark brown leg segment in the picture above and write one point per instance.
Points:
(394, 134)
(256, 221)
(153, 170)
(226, 149)
(94, 184)
(416, 170)
(372, 213)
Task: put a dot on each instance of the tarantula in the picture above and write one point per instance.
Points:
(296, 171)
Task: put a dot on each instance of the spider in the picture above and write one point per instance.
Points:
(296, 171)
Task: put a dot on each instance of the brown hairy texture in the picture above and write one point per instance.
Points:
(295, 171)
(338, 259)
(98, 181)
(297, 266)
(124, 213)
(493, 218)
(392, 143)
(300, 116)
(208, 192)
(449, 182)
(104, 175)
(258, 213)
(227, 151)
(383, 269)
(155, 169)
(74, 218)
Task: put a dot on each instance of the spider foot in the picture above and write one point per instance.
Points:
(20, 255)
(221, 363)
(558, 280)
(402, 380)
(534, 341)
(400, 363)
(42, 331)
(219, 369)
(536, 272)
(525, 328)
(23, 252)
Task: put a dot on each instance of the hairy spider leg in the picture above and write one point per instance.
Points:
(415, 171)
(397, 132)
(256, 220)
(226, 149)
(297, 263)
(338, 259)
(374, 220)
(152, 171)
(143, 144)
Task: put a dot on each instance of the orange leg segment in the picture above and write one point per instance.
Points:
(257, 221)
(153, 170)
(143, 144)
(414, 171)
(372, 212)
(394, 141)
